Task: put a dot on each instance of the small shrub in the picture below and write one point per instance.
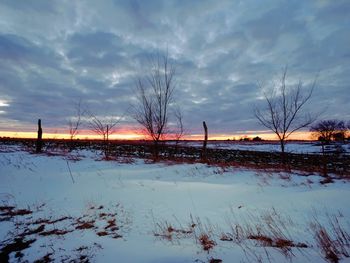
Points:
(85, 225)
(206, 243)
(327, 180)
(166, 231)
(263, 240)
(226, 237)
(215, 260)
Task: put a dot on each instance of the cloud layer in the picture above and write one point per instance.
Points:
(55, 53)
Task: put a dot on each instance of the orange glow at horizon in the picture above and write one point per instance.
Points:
(84, 134)
(132, 135)
(265, 136)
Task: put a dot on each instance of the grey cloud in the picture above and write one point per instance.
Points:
(98, 49)
(20, 50)
(54, 53)
(334, 11)
(37, 5)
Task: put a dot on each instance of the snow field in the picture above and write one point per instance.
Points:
(146, 199)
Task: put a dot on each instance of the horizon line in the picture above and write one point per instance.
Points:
(301, 135)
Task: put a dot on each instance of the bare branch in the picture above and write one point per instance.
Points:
(75, 122)
(154, 96)
(327, 130)
(180, 131)
(103, 126)
(283, 114)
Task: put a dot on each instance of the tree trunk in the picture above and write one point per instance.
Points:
(283, 155)
(106, 144)
(155, 150)
(325, 161)
(322, 148)
(71, 143)
(282, 146)
(39, 141)
(204, 149)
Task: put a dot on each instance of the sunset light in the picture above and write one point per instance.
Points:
(133, 135)
(221, 81)
(32, 135)
(174, 131)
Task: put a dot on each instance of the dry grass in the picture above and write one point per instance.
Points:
(167, 231)
(17, 245)
(30, 227)
(102, 233)
(332, 237)
(7, 212)
(215, 260)
(206, 242)
(85, 225)
(201, 233)
(272, 230)
(267, 230)
(226, 237)
(327, 180)
(57, 232)
(50, 222)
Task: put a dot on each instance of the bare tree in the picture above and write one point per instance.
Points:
(326, 130)
(154, 98)
(104, 126)
(75, 122)
(179, 130)
(284, 110)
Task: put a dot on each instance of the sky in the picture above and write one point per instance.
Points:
(227, 53)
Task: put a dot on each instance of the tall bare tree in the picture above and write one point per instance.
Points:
(154, 97)
(283, 113)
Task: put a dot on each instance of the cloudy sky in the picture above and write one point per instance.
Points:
(55, 53)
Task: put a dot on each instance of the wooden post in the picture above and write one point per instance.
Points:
(204, 149)
(39, 141)
(106, 145)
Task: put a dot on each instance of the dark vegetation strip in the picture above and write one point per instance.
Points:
(331, 163)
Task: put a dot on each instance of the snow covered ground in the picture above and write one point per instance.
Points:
(83, 208)
(270, 146)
